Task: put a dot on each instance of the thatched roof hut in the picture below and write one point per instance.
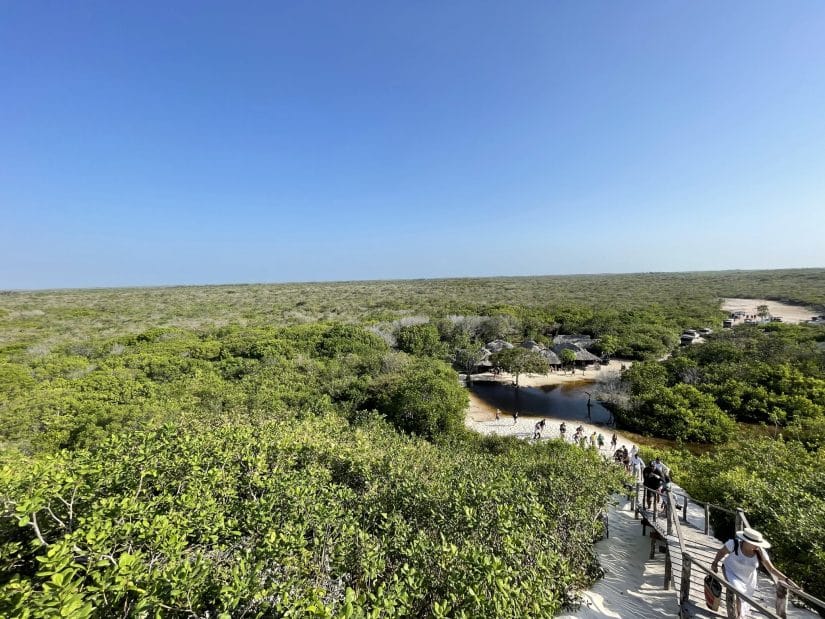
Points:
(497, 345)
(583, 356)
(484, 362)
(552, 358)
(581, 341)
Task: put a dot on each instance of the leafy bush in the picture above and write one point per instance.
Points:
(422, 340)
(781, 487)
(274, 518)
(424, 398)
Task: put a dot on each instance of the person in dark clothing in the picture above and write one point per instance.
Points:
(652, 482)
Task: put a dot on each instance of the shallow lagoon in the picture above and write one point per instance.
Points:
(567, 401)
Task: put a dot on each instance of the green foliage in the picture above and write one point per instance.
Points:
(276, 519)
(568, 357)
(781, 487)
(62, 400)
(424, 398)
(519, 360)
(608, 344)
(422, 340)
(219, 450)
(681, 412)
(771, 376)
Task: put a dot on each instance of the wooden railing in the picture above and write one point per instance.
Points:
(689, 562)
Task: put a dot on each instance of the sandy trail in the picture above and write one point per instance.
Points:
(480, 416)
(633, 584)
(789, 313)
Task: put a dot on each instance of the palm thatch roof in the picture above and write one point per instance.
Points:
(581, 341)
(497, 345)
(582, 355)
(552, 358)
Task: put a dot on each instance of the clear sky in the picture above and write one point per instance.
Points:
(200, 142)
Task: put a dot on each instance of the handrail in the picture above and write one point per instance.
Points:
(742, 520)
(671, 513)
(688, 559)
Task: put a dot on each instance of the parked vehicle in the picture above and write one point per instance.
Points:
(688, 337)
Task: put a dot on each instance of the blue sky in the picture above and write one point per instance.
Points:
(173, 142)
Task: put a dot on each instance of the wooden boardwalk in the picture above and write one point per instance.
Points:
(702, 548)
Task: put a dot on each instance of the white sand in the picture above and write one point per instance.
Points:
(789, 313)
(633, 584)
(480, 416)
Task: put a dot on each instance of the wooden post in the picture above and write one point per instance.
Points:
(684, 509)
(668, 514)
(655, 505)
(684, 589)
(707, 518)
(668, 571)
(653, 537)
(633, 501)
(730, 603)
(781, 600)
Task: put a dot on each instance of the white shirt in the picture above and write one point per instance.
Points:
(740, 568)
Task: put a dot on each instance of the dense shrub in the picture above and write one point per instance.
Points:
(423, 398)
(771, 376)
(310, 518)
(781, 487)
(421, 339)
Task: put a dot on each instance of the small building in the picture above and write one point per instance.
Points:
(552, 358)
(583, 357)
(497, 346)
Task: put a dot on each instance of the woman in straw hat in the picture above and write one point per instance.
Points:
(742, 558)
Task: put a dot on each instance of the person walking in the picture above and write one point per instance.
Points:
(498, 414)
(653, 484)
(741, 558)
(563, 431)
(613, 442)
(515, 417)
(636, 465)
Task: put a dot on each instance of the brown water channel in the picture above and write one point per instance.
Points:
(566, 401)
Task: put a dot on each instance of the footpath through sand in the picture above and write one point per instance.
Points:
(632, 584)
(481, 417)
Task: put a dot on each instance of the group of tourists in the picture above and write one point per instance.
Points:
(581, 438)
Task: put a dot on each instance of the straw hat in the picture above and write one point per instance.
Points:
(752, 536)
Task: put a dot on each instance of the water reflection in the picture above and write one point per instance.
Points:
(567, 401)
